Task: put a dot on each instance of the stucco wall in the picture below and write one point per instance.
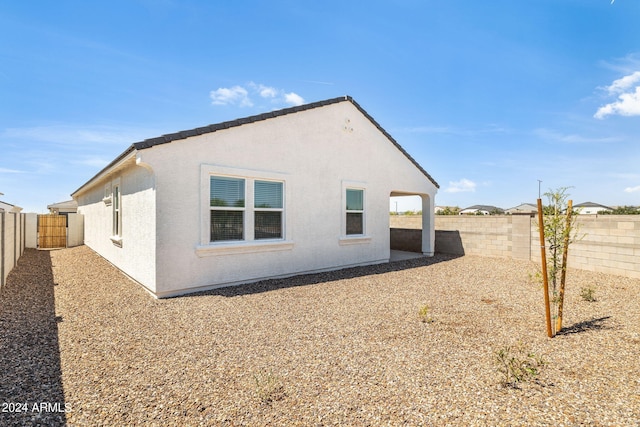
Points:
(31, 230)
(75, 229)
(136, 254)
(317, 153)
(608, 243)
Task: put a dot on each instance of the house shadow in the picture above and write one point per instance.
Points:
(328, 276)
(588, 325)
(449, 241)
(31, 389)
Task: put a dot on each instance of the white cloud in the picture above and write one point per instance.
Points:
(632, 189)
(264, 91)
(623, 84)
(464, 185)
(236, 95)
(241, 95)
(293, 99)
(628, 104)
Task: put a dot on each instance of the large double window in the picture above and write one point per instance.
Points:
(245, 209)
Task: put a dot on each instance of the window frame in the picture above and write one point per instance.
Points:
(263, 209)
(242, 209)
(354, 211)
(116, 212)
(354, 239)
(249, 244)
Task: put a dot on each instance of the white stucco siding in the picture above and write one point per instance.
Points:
(135, 253)
(317, 154)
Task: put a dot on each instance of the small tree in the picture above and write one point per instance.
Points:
(560, 230)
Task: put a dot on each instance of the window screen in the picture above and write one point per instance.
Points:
(268, 225)
(268, 195)
(268, 204)
(227, 225)
(355, 200)
(227, 192)
(355, 212)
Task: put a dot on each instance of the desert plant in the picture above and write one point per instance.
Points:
(268, 387)
(517, 364)
(560, 230)
(425, 314)
(588, 293)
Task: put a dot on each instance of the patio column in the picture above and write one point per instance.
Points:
(428, 224)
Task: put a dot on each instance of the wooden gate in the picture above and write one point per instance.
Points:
(52, 231)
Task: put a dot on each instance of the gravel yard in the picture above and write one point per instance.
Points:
(340, 348)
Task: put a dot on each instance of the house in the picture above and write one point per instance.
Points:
(481, 210)
(523, 208)
(590, 208)
(298, 190)
(63, 208)
(7, 207)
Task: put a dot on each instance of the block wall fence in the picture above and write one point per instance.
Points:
(609, 244)
(12, 242)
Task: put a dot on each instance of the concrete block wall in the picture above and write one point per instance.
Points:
(12, 242)
(606, 244)
(481, 235)
(610, 243)
(406, 239)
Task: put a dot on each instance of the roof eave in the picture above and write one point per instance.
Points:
(117, 162)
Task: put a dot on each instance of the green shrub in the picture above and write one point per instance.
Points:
(517, 364)
(588, 293)
(425, 314)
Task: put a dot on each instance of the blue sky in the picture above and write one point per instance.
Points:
(489, 97)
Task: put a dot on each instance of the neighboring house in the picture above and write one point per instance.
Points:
(63, 208)
(7, 207)
(523, 208)
(481, 210)
(299, 190)
(590, 208)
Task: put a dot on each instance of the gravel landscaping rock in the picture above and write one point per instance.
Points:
(339, 348)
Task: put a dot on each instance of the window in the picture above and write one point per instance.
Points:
(355, 211)
(117, 210)
(268, 207)
(227, 206)
(243, 211)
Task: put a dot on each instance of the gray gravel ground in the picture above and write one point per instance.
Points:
(340, 348)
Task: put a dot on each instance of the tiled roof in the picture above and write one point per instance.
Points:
(168, 138)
